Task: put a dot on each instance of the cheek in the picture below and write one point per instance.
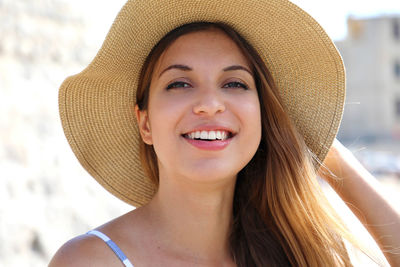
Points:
(164, 116)
(250, 113)
(252, 127)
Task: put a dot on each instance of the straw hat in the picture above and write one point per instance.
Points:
(97, 105)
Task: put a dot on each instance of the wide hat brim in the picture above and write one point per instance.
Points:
(97, 105)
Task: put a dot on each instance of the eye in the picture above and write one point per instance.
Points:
(236, 85)
(177, 85)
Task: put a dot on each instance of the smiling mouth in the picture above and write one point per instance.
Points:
(209, 135)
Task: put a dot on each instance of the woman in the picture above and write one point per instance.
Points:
(230, 132)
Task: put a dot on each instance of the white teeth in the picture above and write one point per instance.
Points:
(211, 135)
(208, 135)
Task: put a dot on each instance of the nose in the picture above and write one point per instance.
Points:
(209, 103)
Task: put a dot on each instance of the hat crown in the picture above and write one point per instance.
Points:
(96, 105)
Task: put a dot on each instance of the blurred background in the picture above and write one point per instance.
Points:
(47, 198)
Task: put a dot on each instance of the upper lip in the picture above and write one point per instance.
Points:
(210, 128)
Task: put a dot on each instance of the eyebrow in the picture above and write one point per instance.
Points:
(238, 67)
(177, 66)
(187, 68)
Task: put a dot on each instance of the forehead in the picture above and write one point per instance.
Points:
(205, 45)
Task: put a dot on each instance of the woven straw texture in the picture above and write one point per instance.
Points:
(97, 105)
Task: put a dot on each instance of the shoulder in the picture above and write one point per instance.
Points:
(84, 250)
(89, 250)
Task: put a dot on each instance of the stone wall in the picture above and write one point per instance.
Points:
(46, 197)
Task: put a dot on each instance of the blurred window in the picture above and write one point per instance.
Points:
(398, 108)
(396, 29)
(397, 69)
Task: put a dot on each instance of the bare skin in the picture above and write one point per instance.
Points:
(379, 217)
(364, 196)
(187, 222)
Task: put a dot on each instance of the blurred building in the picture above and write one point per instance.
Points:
(371, 53)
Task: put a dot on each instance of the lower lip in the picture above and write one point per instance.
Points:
(209, 145)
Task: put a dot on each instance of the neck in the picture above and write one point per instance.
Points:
(194, 218)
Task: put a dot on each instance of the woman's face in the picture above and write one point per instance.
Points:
(203, 115)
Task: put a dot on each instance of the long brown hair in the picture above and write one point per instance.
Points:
(280, 215)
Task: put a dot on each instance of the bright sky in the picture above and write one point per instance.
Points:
(331, 14)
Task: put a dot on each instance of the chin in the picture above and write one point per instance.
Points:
(212, 173)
